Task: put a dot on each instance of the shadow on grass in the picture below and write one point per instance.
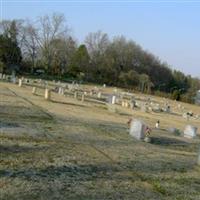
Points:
(19, 149)
(167, 141)
(65, 103)
(23, 113)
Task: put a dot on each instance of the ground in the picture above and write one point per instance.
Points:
(68, 149)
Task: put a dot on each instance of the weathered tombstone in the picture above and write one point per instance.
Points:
(61, 90)
(20, 83)
(82, 97)
(190, 131)
(132, 104)
(150, 109)
(13, 78)
(137, 129)
(157, 124)
(186, 116)
(99, 95)
(126, 104)
(75, 95)
(34, 90)
(115, 90)
(47, 94)
(113, 100)
(137, 104)
(104, 85)
(167, 109)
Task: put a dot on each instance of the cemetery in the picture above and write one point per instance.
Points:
(64, 140)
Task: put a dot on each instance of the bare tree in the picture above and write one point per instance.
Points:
(50, 28)
(30, 43)
(96, 43)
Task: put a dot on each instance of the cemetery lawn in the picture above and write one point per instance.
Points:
(67, 149)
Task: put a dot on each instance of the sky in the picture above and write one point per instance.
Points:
(167, 28)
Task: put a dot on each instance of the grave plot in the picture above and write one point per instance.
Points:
(87, 153)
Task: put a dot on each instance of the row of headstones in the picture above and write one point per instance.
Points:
(4, 76)
(47, 94)
(138, 132)
(8, 78)
(141, 132)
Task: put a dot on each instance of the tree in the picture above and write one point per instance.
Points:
(30, 45)
(97, 44)
(10, 53)
(64, 50)
(50, 28)
(129, 79)
(80, 61)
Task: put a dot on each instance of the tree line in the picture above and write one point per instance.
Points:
(48, 44)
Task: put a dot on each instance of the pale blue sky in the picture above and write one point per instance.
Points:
(168, 29)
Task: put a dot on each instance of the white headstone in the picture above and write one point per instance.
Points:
(137, 129)
(190, 131)
(99, 95)
(20, 82)
(157, 125)
(126, 104)
(113, 99)
(47, 94)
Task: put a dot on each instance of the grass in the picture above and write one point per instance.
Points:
(85, 152)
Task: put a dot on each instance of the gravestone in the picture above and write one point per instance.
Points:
(99, 95)
(137, 129)
(186, 116)
(47, 94)
(126, 104)
(20, 83)
(167, 109)
(132, 104)
(157, 125)
(61, 90)
(113, 100)
(75, 95)
(34, 90)
(82, 97)
(190, 131)
(13, 77)
(115, 90)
